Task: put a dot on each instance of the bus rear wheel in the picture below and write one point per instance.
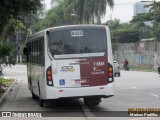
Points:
(92, 101)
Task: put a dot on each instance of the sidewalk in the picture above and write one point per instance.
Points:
(19, 98)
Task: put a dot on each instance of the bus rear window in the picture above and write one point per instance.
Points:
(77, 42)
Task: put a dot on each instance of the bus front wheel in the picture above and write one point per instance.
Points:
(34, 96)
(92, 101)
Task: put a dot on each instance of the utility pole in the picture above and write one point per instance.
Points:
(17, 45)
(155, 34)
(117, 47)
(155, 31)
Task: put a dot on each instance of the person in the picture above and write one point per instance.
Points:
(126, 63)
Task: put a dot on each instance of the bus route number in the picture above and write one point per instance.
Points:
(76, 33)
(98, 63)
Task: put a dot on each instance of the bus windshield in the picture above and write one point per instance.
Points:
(77, 41)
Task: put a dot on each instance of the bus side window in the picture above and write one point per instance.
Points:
(29, 52)
(38, 51)
(42, 59)
(32, 53)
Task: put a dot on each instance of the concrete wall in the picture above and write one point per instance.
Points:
(139, 54)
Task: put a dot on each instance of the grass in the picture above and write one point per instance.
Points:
(143, 69)
(4, 83)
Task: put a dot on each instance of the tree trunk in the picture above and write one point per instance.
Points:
(92, 17)
(4, 33)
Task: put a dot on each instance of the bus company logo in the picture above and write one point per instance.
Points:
(6, 114)
(67, 69)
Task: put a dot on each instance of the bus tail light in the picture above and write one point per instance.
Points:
(110, 73)
(49, 76)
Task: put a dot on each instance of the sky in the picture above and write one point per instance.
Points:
(123, 10)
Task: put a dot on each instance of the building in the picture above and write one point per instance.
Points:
(140, 7)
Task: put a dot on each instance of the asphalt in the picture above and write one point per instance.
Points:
(133, 90)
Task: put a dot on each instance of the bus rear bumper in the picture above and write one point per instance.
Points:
(81, 92)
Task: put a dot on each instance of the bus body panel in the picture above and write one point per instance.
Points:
(74, 77)
(85, 72)
(109, 46)
(66, 73)
(103, 91)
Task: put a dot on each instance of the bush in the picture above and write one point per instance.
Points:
(2, 91)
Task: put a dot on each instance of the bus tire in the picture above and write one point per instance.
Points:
(119, 74)
(92, 101)
(41, 101)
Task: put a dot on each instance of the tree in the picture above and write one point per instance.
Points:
(5, 56)
(12, 9)
(99, 8)
(125, 35)
(139, 21)
(86, 10)
(53, 17)
(122, 32)
(114, 24)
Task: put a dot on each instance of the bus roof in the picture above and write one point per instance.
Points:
(66, 27)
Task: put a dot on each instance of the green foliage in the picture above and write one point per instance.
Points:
(148, 16)
(5, 50)
(5, 54)
(16, 25)
(3, 81)
(86, 10)
(138, 22)
(53, 17)
(73, 12)
(10, 12)
(13, 8)
(142, 17)
(125, 35)
(122, 32)
(116, 24)
(2, 90)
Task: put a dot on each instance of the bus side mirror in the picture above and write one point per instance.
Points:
(25, 51)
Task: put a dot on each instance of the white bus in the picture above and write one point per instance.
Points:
(70, 62)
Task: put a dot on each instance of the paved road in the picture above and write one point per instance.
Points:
(133, 90)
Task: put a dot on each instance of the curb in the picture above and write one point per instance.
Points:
(8, 90)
